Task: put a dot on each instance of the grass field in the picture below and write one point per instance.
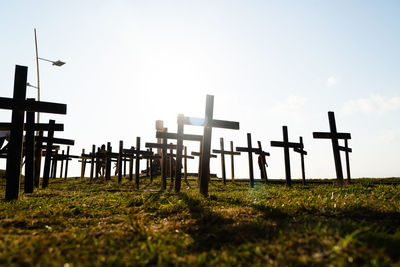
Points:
(77, 223)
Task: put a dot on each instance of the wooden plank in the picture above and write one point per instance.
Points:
(32, 106)
(156, 145)
(226, 152)
(137, 163)
(221, 141)
(60, 141)
(347, 150)
(198, 154)
(47, 160)
(121, 147)
(68, 157)
(179, 148)
(187, 137)
(38, 161)
(29, 154)
(4, 126)
(283, 144)
(14, 153)
(327, 135)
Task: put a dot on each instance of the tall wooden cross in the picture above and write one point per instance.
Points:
(233, 153)
(250, 150)
(208, 122)
(198, 154)
(224, 152)
(334, 136)
(180, 137)
(302, 153)
(19, 105)
(286, 145)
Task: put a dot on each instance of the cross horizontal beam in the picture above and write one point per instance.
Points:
(286, 144)
(214, 123)
(37, 126)
(299, 150)
(345, 149)
(198, 154)
(327, 135)
(60, 141)
(156, 145)
(32, 106)
(227, 152)
(186, 137)
(131, 152)
(246, 149)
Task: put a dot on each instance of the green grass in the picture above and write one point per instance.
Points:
(77, 223)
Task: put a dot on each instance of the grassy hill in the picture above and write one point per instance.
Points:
(77, 223)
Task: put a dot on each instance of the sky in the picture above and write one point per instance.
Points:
(267, 63)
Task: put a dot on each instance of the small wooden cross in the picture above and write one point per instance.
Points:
(250, 150)
(164, 146)
(286, 145)
(224, 152)
(302, 153)
(334, 136)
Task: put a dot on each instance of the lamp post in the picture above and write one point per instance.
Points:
(57, 63)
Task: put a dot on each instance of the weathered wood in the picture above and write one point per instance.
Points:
(131, 166)
(92, 163)
(198, 154)
(334, 136)
(53, 174)
(13, 165)
(185, 157)
(286, 145)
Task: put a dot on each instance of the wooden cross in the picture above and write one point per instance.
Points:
(262, 155)
(224, 152)
(164, 146)
(250, 150)
(347, 150)
(302, 154)
(286, 145)
(208, 122)
(19, 105)
(137, 153)
(198, 154)
(150, 159)
(334, 136)
(180, 137)
(50, 140)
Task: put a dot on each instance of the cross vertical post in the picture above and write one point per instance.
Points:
(62, 163)
(121, 147)
(137, 163)
(346, 145)
(92, 165)
(66, 164)
(47, 159)
(38, 160)
(232, 163)
(30, 152)
(13, 169)
(262, 157)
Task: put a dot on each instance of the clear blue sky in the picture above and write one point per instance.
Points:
(268, 63)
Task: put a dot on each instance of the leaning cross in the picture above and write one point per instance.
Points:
(334, 136)
(286, 145)
(208, 123)
(302, 154)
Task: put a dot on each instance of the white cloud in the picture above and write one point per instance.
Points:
(373, 104)
(389, 136)
(332, 81)
(292, 105)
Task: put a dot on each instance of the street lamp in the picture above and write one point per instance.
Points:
(57, 63)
